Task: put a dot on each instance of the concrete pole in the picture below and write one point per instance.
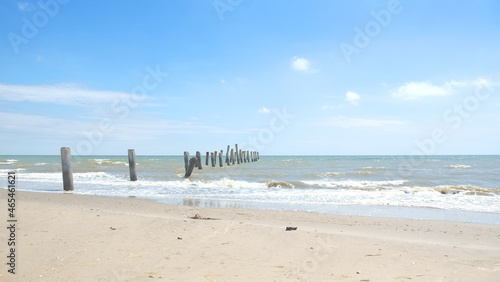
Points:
(67, 170)
(131, 165)
(192, 163)
(198, 157)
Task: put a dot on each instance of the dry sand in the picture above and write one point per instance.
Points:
(67, 237)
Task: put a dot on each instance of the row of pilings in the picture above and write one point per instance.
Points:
(234, 156)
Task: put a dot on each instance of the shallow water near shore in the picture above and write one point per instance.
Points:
(456, 188)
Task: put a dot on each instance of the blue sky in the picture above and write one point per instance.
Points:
(280, 77)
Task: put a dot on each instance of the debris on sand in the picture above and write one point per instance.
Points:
(197, 216)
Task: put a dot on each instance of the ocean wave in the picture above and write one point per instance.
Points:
(365, 172)
(108, 162)
(10, 170)
(355, 183)
(456, 189)
(374, 168)
(8, 162)
(458, 166)
(330, 174)
(279, 184)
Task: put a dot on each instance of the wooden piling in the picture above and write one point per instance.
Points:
(241, 157)
(67, 170)
(131, 165)
(198, 157)
(244, 156)
(248, 156)
(206, 160)
(236, 152)
(231, 159)
(189, 170)
(215, 158)
(220, 158)
(212, 159)
(227, 156)
(186, 160)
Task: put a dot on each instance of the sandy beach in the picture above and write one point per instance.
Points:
(67, 237)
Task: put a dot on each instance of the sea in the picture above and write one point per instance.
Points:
(454, 188)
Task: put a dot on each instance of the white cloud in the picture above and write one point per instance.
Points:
(419, 90)
(119, 129)
(352, 98)
(300, 64)
(484, 82)
(40, 124)
(346, 122)
(264, 110)
(63, 94)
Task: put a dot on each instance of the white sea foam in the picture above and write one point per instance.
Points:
(454, 189)
(373, 168)
(8, 162)
(331, 174)
(109, 162)
(459, 166)
(354, 183)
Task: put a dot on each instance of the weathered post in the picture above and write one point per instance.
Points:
(206, 160)
(192, 163)
(198, 157)
(67, 170)
(227, 156)
(186, 160)
(131, 165)
(212, 159)
(236, 152)
(232, 156)
(244, 156)
(220, 158)
(215, 158)
(248, 156)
